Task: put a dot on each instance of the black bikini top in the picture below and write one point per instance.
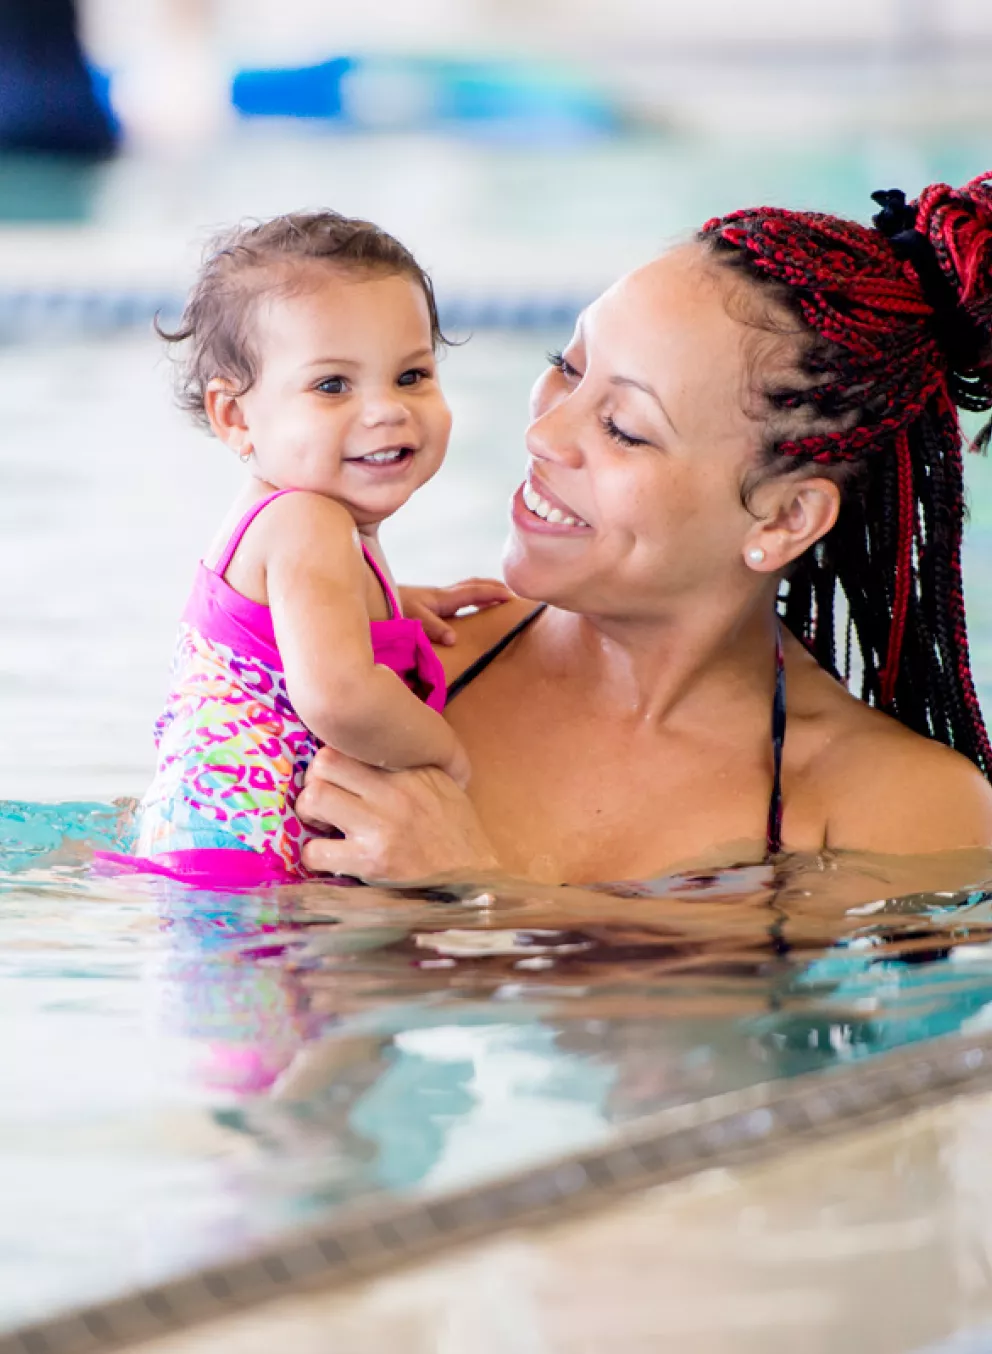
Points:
(773, 831)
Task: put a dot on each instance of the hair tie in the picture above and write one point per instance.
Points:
(958, 335)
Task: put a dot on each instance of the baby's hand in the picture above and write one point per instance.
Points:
(431, 605)
(458, 767)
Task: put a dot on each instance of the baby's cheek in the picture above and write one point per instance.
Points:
(442, 423)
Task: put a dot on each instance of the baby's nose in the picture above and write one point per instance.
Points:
(384, 408)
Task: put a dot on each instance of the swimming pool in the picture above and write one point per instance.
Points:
(194, 1075)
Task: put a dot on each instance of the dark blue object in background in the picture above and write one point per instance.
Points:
(47, 97)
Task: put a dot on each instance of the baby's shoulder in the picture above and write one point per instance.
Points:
(306, 521)
(302, 505)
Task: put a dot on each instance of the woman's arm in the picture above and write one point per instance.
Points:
(400, 827)
(315, 582)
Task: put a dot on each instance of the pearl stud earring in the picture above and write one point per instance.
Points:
(756, 555)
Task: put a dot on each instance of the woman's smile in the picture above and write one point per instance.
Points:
(536, 508)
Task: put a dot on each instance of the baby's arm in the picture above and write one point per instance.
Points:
(315, 578)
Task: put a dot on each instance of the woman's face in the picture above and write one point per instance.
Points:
(638, 447)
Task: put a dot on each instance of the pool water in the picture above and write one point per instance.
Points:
(188, 1074)
(185, 1073)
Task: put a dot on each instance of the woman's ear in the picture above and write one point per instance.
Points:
(227, 417)
(796, 513)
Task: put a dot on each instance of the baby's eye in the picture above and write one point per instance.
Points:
(561, 363)
(413, 377)
(333, 385)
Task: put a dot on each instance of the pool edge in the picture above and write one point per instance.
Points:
(365, 1241)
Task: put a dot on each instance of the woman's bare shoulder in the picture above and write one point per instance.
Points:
(886, 788)
(479, 631)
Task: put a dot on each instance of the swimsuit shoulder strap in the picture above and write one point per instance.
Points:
(237, 535)
(227, 554)
(773, 837)
(482, 662)
(773, 834)
(391, 598)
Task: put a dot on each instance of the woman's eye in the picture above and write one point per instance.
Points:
(561, 363)
(334, 385)
(413, 377)
(619, 435)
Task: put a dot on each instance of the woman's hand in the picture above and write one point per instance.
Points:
(400, 827)
(431, 606)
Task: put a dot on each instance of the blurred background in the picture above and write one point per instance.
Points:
(529, 151)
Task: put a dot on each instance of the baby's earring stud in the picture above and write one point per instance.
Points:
(756, 555)
(244, 456)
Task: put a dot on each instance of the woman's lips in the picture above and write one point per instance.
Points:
(535, 508)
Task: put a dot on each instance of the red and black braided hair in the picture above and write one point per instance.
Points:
(893, 333)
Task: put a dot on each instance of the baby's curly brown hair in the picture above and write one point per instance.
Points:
(242, 265)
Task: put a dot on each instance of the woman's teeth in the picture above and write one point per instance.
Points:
(540, 507)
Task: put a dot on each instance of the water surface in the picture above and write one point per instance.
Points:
(188, 1073)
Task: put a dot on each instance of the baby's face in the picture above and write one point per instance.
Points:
(347, 401)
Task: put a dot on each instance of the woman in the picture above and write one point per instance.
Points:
(773, 404)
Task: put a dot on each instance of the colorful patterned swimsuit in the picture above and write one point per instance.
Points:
(232, 751)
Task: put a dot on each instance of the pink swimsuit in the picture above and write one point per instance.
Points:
(232, 751)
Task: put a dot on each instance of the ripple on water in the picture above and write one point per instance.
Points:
(194, 1071)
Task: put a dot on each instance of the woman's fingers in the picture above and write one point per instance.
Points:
(323, 807)
(345, 794)
(357, 855)
(398, 825)
(335, 855)
(337, 787)
(337, 768)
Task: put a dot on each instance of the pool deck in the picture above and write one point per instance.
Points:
(805, 1204)
(878, 1240)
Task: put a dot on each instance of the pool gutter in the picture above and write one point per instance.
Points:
(366, 1241)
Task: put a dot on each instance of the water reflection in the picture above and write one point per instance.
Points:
(211, 1068)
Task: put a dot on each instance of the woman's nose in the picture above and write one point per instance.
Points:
(553, 434)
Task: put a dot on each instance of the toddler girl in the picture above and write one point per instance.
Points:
(312, 355)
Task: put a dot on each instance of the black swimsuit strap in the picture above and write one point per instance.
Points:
(483, 661)
(773, 833)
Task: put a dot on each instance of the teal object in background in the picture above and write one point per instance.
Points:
(485, 97)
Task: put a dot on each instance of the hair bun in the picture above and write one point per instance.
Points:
(957, 222)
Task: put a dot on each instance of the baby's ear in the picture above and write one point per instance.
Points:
(222, 406)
